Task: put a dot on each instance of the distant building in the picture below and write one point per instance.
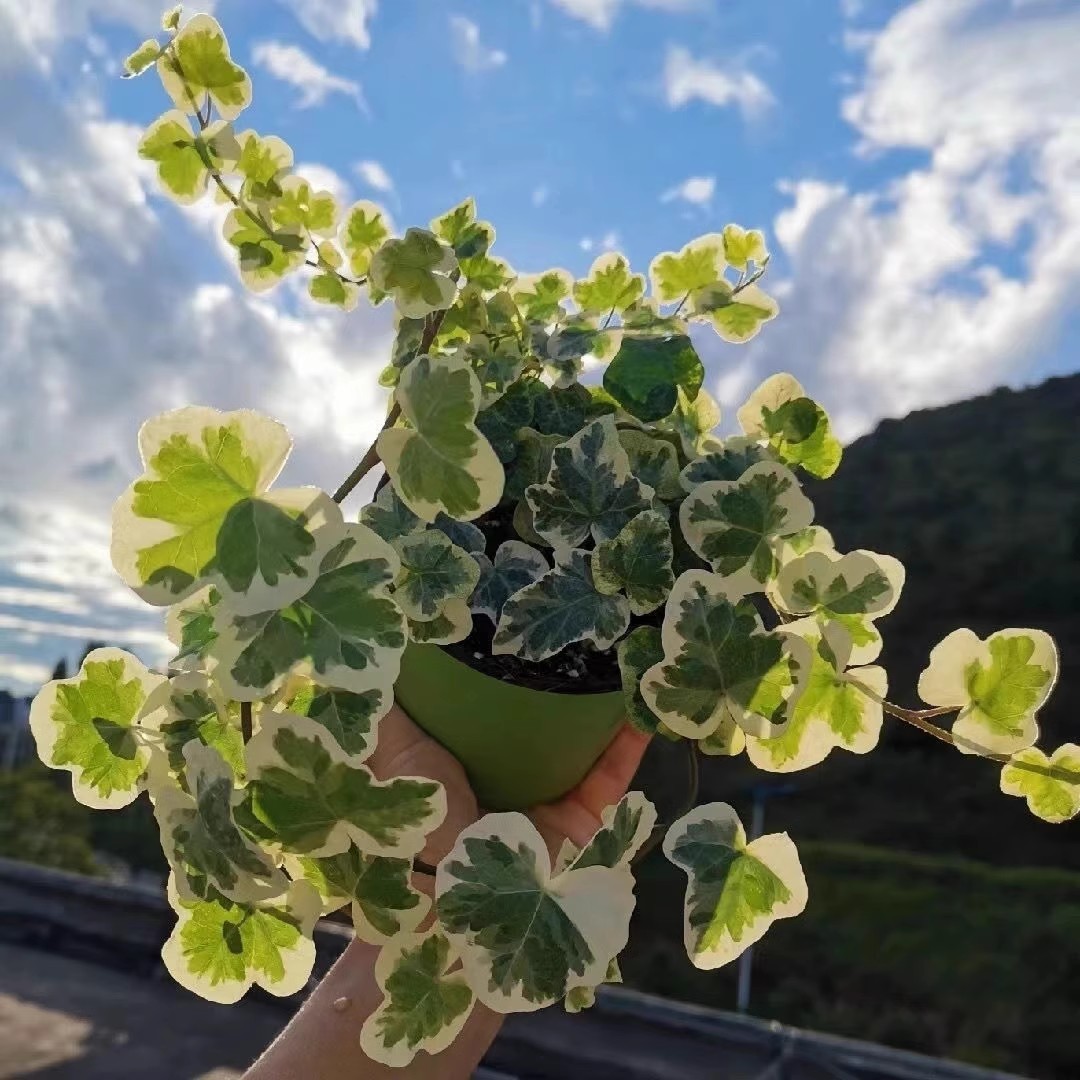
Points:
(16, 743)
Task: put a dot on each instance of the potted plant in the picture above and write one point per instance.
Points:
(543, 558)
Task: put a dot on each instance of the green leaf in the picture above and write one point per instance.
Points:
(199, 463)
(219, 949)
(735, 891)
(301, 205)
(453, 622)
(524, 933)
(497, 365)
(197, 65)
(145, 56)
(170, 20)
(88, 725)
(516, 565)
(541, 296)
(432, 571)
(266, 255)
(624, 828)
(501, 422)
(531, 465)
(742, 247)
(589, 490)
(737, 524)
(190, 627)
(184, 159)
(264, 163)
(720, 664)
(647, 372)
(459, 228)
(654, 462)
(795, 427)
(834, 709)
(346, 628)
(692, 421)
(485, 272)
(609, 287)
(424, 1007)
(318, 800)
(997, 684)
(389, 517)
(330, 288)
(1051, 785)
(727, 462)
(384, 903)
(416, 272)
(350, 718)
(736, 316)
(638, 652)
(697, 266)
(441, 462)
(191, 708)
(366, 229)
(562, 411)
(580, 997)
(464, 534)
(562, 607)
(200, 836)
(637, 562)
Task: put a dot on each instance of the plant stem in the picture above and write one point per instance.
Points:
(693, 777)
(371, 455)
(245, 720)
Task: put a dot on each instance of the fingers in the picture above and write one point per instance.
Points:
(611, 775)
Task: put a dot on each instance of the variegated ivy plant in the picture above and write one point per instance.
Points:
(737, 625)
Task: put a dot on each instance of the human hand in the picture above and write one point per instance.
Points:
(405, 750)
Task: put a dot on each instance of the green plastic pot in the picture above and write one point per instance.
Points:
(519, 746)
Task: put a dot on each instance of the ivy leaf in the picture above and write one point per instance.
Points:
(623, 831)
(795, 427)
(834, 709)
(728, 461)
(531, 465)
(735, 316)
(496, 366)
(266, 255)
(388, 517)
(88, 726)
(562, 411)
(639, 651)
(424, 1007)
(459, 228)
(330, 288)
(735, 890)
(698, 265)
(350, 718)
(609, 287)
(720, 664)
(485, 272)
(264, 164)
(540, 296)
(647, 372)
(692, 420)
(269, 549)
(220, 949)
(416, 272)
(346, 629)
(184, 159)
(144, 57)
(737, 524)
(191, 708)
(189, 625)
(197, 65)
(432, 571)
(199, 463)
(998, 685)
(1051, 785)
(463, 534)
(365, 230)
(170, 20)
(453, 622)
(318, 800)
(516, 565)
(589, 490)
(562, 607)
(579, 998)
(637, 562)
(384, 903)
(200, 836)
(853, 589)
(441, 462)
(523, 933)
(742, 247)
(301, 205)
(501, 422)
(654, 462)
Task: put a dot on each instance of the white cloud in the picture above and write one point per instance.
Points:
(336, 20)
(375, 176)
(469, 51)
(586, 243)
(696, 190)
(292, 65)
(608, 242)
(954, 277)
(686, 79)
(540, 195)
(600, 14)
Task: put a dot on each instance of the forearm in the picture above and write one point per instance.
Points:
(323, 1040)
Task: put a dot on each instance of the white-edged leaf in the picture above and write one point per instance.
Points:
(515, 566)
(637, 562)
(625, 826)
(1051, 785)
(675, 275)
(198, 65)
(415, 271)
(433, 571)
(389, 517)
(453, 622)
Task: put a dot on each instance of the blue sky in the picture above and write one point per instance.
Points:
(915, 166)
